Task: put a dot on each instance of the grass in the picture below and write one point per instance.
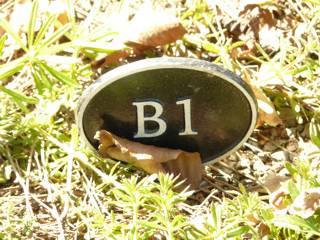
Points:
(52, 187)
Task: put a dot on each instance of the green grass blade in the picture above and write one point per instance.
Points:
(58, 48)
(59, 75)
(32, 22)
(71, 13)
(314, 132)
(19, 96)
(56, 35)
(2, 42)
(236, 45)
(216, 215)
(193, 40)
(37, 80)
(99, 47)
(263, 53)
(8, 69)
(43, 76)
(314, 1)
(210, 47)
(6, 26)
(58, 59)
(151, 225)
(101, 33)
(237, 231)
(44, 28)
(297, 223)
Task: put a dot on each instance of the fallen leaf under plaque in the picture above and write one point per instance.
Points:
(152, 159)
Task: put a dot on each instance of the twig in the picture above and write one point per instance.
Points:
(5, 7)
(99, 203)
(14, 165)
(212, 193)
(53, 211)
(253, 148)
(223, 183)
(220, 171)
(275, 144)
(48, 186)
(236, 171)
(217, 187)
(68, 183)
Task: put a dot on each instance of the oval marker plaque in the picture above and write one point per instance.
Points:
(178, 103)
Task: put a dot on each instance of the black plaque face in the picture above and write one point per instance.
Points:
(177, 103)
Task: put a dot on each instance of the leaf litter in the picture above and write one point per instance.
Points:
(254, 22)
(161, 28)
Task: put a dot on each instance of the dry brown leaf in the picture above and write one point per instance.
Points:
(152, 27)
(152, 159)
(252, 22)
(254, 219)
(263, 229)
(274, 181)
(115, 57)
(3, 16)
(111, 59)
(306, 203)
(278, 200)
(60, 9)
(267, 113)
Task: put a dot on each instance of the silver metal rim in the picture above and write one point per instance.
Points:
(167, 62)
